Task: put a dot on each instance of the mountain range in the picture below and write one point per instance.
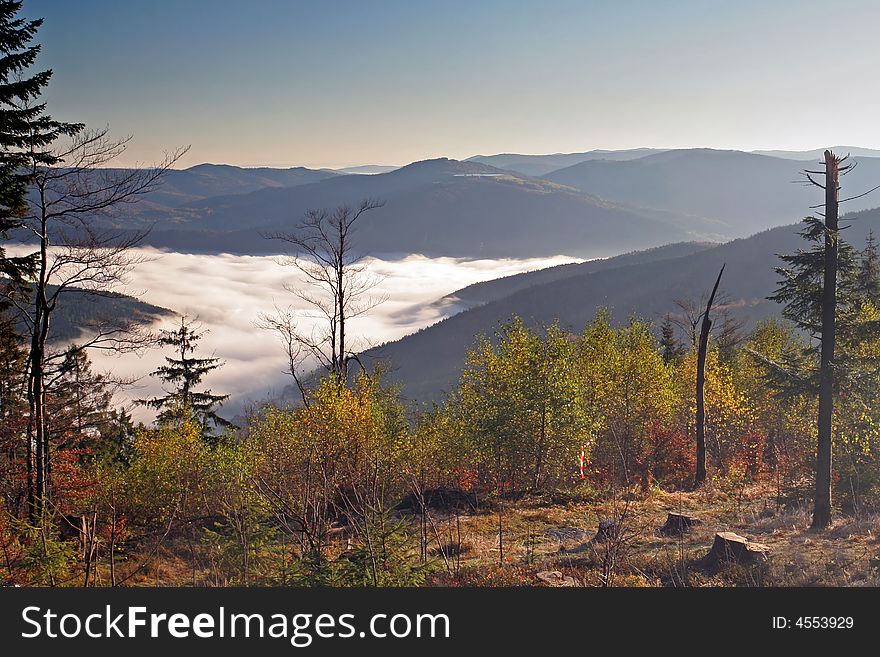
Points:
(434, 207)
(612, 202)
(677, 215)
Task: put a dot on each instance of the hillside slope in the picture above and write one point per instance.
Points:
(427, 363)
(487, 291)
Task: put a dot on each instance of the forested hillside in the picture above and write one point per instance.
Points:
(427, 363)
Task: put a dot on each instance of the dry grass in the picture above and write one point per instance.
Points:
(848, 554)
(539, 535)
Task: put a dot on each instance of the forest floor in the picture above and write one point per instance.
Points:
(540, 536)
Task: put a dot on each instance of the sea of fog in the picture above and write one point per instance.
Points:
(227, 293)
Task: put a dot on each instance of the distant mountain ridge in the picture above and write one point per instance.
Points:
(745, 192)
(618, 201)
(538, 165)
(498, 288)
(435, 207)
(816, 153)
(182, 186)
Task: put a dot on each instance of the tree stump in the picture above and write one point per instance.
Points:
(733, 548)
(678, 524)
(556, 578)
(606, 531)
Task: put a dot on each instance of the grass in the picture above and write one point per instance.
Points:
(847, 554)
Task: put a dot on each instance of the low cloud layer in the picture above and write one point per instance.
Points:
(227, 293)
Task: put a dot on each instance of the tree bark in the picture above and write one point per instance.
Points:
(822, 502)
(700, 474)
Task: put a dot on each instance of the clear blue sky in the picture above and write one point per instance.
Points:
(336, 83)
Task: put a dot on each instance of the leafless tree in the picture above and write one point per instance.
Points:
(688, 317)
(337, 287)
(75, 252)
(705, 326)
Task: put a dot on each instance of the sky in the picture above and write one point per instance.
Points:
(333, 83)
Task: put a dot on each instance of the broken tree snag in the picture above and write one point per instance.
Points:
(678, 524)
(606, 531)
(733, 548)
(700, 472)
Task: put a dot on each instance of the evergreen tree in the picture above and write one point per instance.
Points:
(185, 372)
(868, 282)
(824, 293)
(27, 134)
(81, 398)
(801, 291)
(729, 336)
(670, 346)
(25, 129)
(12, 358)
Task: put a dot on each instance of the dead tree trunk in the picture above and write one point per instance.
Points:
(700, 475)
(822, 502)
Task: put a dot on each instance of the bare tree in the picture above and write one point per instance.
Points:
(337, 286)
(688, 319)
(71, 189)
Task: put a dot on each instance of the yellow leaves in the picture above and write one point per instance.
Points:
(170, 467)
(728, 412)
(626, 379)
(343, 440)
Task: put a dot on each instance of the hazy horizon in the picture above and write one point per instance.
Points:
(258, 165)
(270, 83)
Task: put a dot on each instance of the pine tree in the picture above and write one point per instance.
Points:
(868, 282)
(25, 129)
(729, 336)
(670, 346)
(26, 136)
(824, 292)
(81, 398)
(12, 358)
(185, 372)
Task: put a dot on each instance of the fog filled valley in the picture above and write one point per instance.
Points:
(226, 294)
(443, 204)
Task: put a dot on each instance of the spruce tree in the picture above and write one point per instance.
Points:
(868, 282)
(185, 371)
(27, 134)
(25, 129)
(825, 290)
(670, 346)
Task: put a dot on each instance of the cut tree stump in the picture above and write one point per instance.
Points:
(606, 531)
(556, 578)
(678, 524)
(733, 548)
